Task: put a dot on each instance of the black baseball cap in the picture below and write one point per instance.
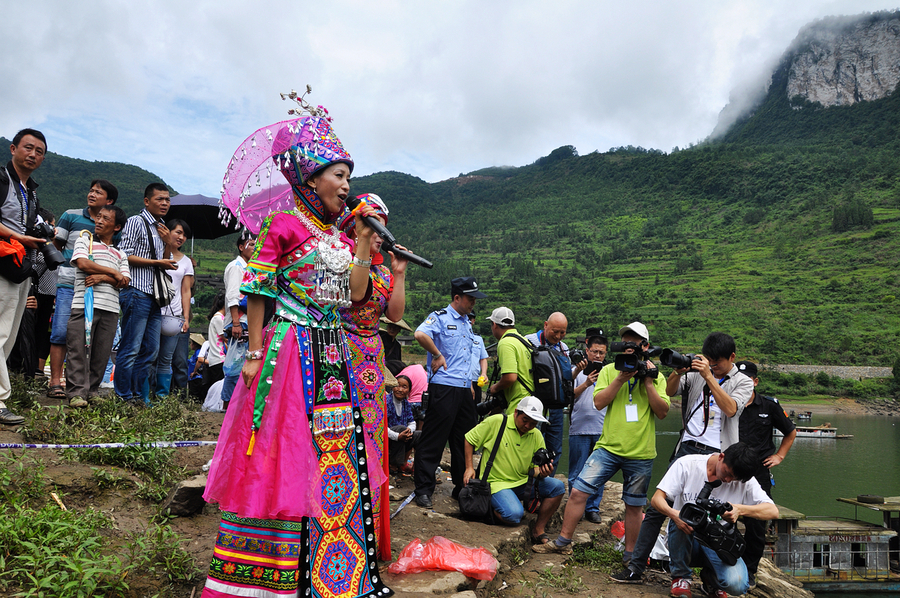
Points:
(748, 367)
(466, 285)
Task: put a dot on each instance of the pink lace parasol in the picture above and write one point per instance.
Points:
(254, 186)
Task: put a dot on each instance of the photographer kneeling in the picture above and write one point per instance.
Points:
(514, 464)
(732, 481)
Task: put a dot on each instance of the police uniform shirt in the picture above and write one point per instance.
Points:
(453, 337)
(760, 416)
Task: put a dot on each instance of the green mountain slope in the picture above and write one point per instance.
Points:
(737, 235)
(64, 182)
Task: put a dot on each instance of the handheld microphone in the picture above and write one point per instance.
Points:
(388, 240)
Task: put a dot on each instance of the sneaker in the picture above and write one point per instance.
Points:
(681, 588)
(708, 591)
(551, 548)
(77, 403)
(8, 418)
(592, 516)
(626, 576)
(424, 501)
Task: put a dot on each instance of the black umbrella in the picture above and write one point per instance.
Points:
(202, 215)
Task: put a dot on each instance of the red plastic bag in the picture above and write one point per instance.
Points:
(618, 529)
(441, 554)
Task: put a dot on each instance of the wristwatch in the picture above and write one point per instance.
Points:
(258, 354)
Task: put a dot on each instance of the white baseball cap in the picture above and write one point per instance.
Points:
(502, 316)
(637, 328)
(533, 408)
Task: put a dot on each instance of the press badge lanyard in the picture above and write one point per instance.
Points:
(631, 410)
(25, 198)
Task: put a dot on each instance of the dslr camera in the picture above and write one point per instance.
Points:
(543, 457)
(490, 403)
(52, 257)
(576, 356)
(637, 361)
(705, 516)
(673, 359)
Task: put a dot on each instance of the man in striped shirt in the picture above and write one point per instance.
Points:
(103, 268)
(145, 240)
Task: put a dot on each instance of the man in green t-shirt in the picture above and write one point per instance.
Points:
(628, 443)
(514, 358)
(513, 466)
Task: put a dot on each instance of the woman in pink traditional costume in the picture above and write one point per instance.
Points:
(386, 295)
(290, 472)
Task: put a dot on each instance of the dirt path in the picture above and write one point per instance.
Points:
(522, 572)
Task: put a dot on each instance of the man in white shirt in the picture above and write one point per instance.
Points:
(731, 475)
(235, 315)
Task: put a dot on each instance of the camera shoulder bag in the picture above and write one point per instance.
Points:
(475, 498)
(15, 263)
(163, 291)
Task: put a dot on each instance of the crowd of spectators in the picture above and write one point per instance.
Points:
(94, 316)
(107, 286)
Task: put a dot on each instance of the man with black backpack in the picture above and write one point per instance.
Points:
(551, 337)
(18, 213)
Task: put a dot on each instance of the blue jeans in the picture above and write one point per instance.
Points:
(228, 389)
(580, 448)
(180, 361)
(603, 465)
(509, 506)
(172, 362)
(653, 519)
(553, 434)
(684, 551)
(61, 313)
(139, 345)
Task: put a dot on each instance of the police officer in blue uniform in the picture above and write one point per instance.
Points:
(447, 336)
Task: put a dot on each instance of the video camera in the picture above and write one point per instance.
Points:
(52, 257)
(705, 516)
(637, 361)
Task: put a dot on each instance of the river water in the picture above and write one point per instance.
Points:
(817, 472)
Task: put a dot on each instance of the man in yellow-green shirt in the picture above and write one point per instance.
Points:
(628, 442)
(514, 358)
(513, 465)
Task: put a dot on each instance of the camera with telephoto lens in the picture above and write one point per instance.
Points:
(673, 359)
(710, 529)
(637, 361)
(490, 403)
(543, 457)
(52, 257)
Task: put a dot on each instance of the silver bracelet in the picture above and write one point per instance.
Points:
(363, 263)
(255, 355)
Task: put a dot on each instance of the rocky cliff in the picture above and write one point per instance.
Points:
(838, 62)
(835, 61)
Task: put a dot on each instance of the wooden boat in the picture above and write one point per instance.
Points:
(838, 555)
(823, 431)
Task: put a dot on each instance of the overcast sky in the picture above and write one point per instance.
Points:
(430, 88)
